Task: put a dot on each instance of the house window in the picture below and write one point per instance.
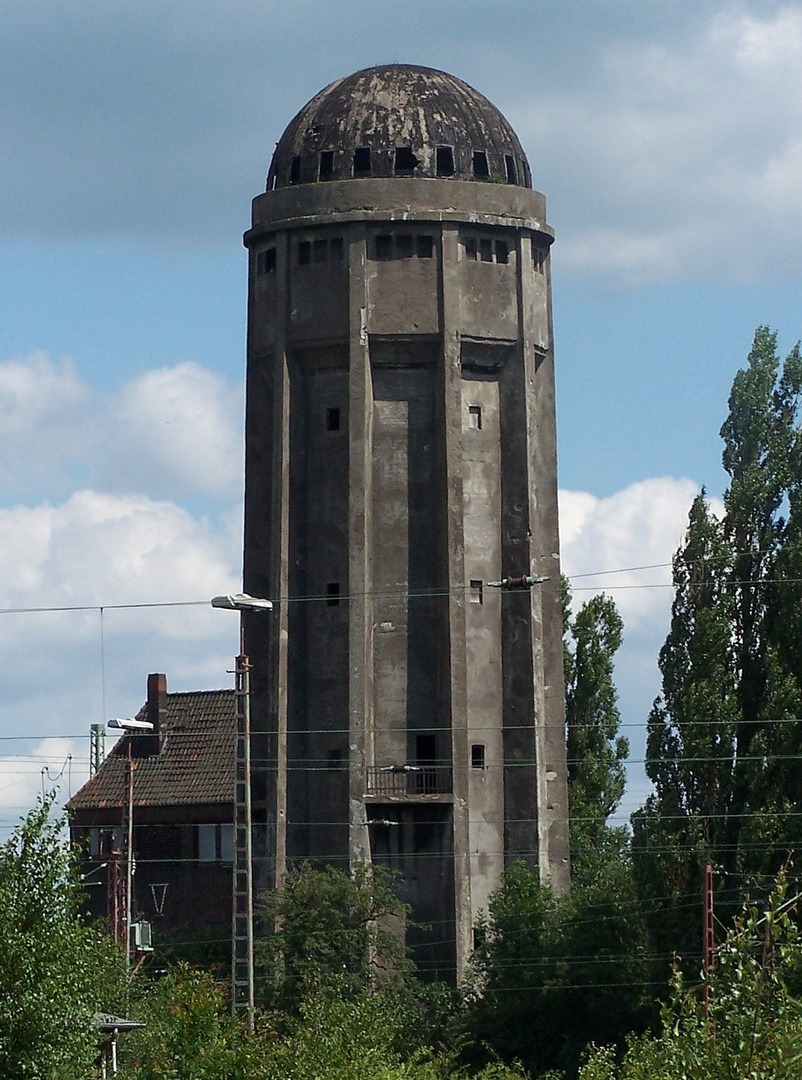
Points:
(502, 251)
(384, 246)
(216, 843)
(486, 250)
(333, 419)
(362, 161)
(512, 172)
(477, 592)
(405, 161)
(336, 248)
(475, 417)
(480, 169)
(478, 756)
(266, 261)
(320, 250)
(471, 247)
(333, 594)
(295, 169)
(304, 252)
(425, 246)
(326, 168)
(403, 246)
(445, 161)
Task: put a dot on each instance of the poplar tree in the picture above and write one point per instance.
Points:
(723, 749)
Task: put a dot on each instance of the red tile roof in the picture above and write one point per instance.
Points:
(195, 763)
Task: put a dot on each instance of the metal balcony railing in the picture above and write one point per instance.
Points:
(400, 780)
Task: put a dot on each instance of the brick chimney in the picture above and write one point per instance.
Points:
(157, 702)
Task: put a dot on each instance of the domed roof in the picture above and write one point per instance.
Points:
(398, 120)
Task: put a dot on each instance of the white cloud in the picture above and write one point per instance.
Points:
(682, 157)
(174, 432)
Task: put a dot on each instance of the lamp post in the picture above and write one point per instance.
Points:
(242, 876)
(131, 728)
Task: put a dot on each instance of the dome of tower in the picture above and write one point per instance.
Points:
(398, 120)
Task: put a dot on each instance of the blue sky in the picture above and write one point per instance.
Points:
(667, 141)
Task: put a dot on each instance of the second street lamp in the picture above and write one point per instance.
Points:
(242, 976)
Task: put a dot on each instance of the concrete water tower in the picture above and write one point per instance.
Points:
(400, 454)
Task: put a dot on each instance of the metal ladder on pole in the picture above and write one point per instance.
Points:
(242, 981)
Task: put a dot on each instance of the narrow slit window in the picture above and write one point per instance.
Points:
(477, 592)
(403, 246)
(480, 169)
(304, 253)
(425, 246)
(539, 258)
(295, 170)
(336, 249)
(384, 246)
(512, 172)
(486, 250)
(326, 169)
(405, 161)
(475, 417)
(266, 261)
(478, 756)
(502, 251)
(333, 594)
(445, 161)
(319, 251)
(362, 161)
(333, 419)
(471, 247)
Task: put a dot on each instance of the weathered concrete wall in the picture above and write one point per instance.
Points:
(400, 445)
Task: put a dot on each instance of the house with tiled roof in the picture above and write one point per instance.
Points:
(181, 778)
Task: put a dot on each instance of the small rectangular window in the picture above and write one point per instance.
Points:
(445, 161)
(295, 169)
(486, 250)
(425, 246)
(478, 756)
(304, 253)
(502, 251)
(477, 592)
(403, 246)
(475, 417)
(319, 251)
(266, 261)
(333, 594)
(207, 843)
(384, 246)
(512, 172)
(332, 419)
(539, 258)
(471, 247)
(362, 161)
(336, 248)
(405, 161)
(326, 169)
(480, 169)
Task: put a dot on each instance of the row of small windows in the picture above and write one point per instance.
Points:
(403, 246)
(405, 163)
(388, 246)
(486, 250)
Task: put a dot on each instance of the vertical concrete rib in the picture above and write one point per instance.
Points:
(360, 623)
(455, 547)
(545, 600)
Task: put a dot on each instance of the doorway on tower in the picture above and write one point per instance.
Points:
(416, 841)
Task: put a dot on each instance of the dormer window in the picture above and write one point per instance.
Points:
(445, 161)
(405, 161)
(362, 161)
(480, 169)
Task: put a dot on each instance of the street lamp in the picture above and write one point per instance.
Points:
(242, 876)
(131, 727)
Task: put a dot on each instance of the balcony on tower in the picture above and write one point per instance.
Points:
(405, 782)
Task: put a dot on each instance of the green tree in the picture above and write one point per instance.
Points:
(50, 961)
(749, 1027)
(723, 749)
(596, 752)
(327, 929)
(553, 974)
